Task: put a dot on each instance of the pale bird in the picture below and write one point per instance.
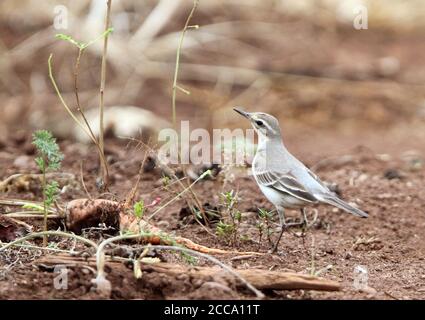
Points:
(284, 180)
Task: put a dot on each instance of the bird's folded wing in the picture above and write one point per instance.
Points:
(286, 183)
(315, 177)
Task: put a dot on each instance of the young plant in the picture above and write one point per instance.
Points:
(263, 225)
(98, 141)
(229, 226)
(48, 158)
(225, 230)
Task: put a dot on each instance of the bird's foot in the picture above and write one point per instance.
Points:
(306, 223)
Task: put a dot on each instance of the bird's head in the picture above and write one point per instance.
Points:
(264, 124)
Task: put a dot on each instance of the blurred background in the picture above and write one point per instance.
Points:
(333, 87)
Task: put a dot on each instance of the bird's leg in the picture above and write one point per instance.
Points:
(304, 224)
(305, 219)
(282, 219)
(281, 213)
(274, 249)
(307, 224)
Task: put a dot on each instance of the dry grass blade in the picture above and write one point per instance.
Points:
(176, 71)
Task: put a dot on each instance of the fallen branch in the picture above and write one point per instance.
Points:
(104, 286)
(261, 279)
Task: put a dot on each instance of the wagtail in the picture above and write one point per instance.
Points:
(284, 180)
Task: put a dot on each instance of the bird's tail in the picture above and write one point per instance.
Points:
(335, 201)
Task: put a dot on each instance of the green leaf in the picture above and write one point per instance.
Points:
(238, 215)
(103, 35)
(264, 214)
(33, 206)
(47, 149)
(223, 229)
(81, 45)
(51, 193)
(189, 258)
(68, 38)
(139, 209)
(40, 163)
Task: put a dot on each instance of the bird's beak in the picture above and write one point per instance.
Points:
(243, 113)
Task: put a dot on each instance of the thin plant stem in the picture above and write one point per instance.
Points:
(176, 71)
(87, 130)
(49, 233)
(172, 174)
(313, 256)
(28, 246)
(52, 79)
(15, 202)
(76, 72)
(43, 182)
(77, 96)
(29, 215)
(83, 183)
(102, 91)
(202, 176)
(174, 94)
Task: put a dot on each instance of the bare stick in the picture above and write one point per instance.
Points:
(102, 90)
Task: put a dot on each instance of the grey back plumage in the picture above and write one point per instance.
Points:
(274, 167)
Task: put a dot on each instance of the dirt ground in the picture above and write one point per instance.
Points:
(341, 113)
(389, 243)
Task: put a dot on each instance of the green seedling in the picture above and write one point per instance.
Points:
(264, 224)
(228, 227)
(81, 45)
(48, 158)
(225, 230)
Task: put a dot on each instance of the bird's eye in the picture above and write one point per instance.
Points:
(259, 123)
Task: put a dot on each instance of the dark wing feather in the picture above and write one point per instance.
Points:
(285, 183)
